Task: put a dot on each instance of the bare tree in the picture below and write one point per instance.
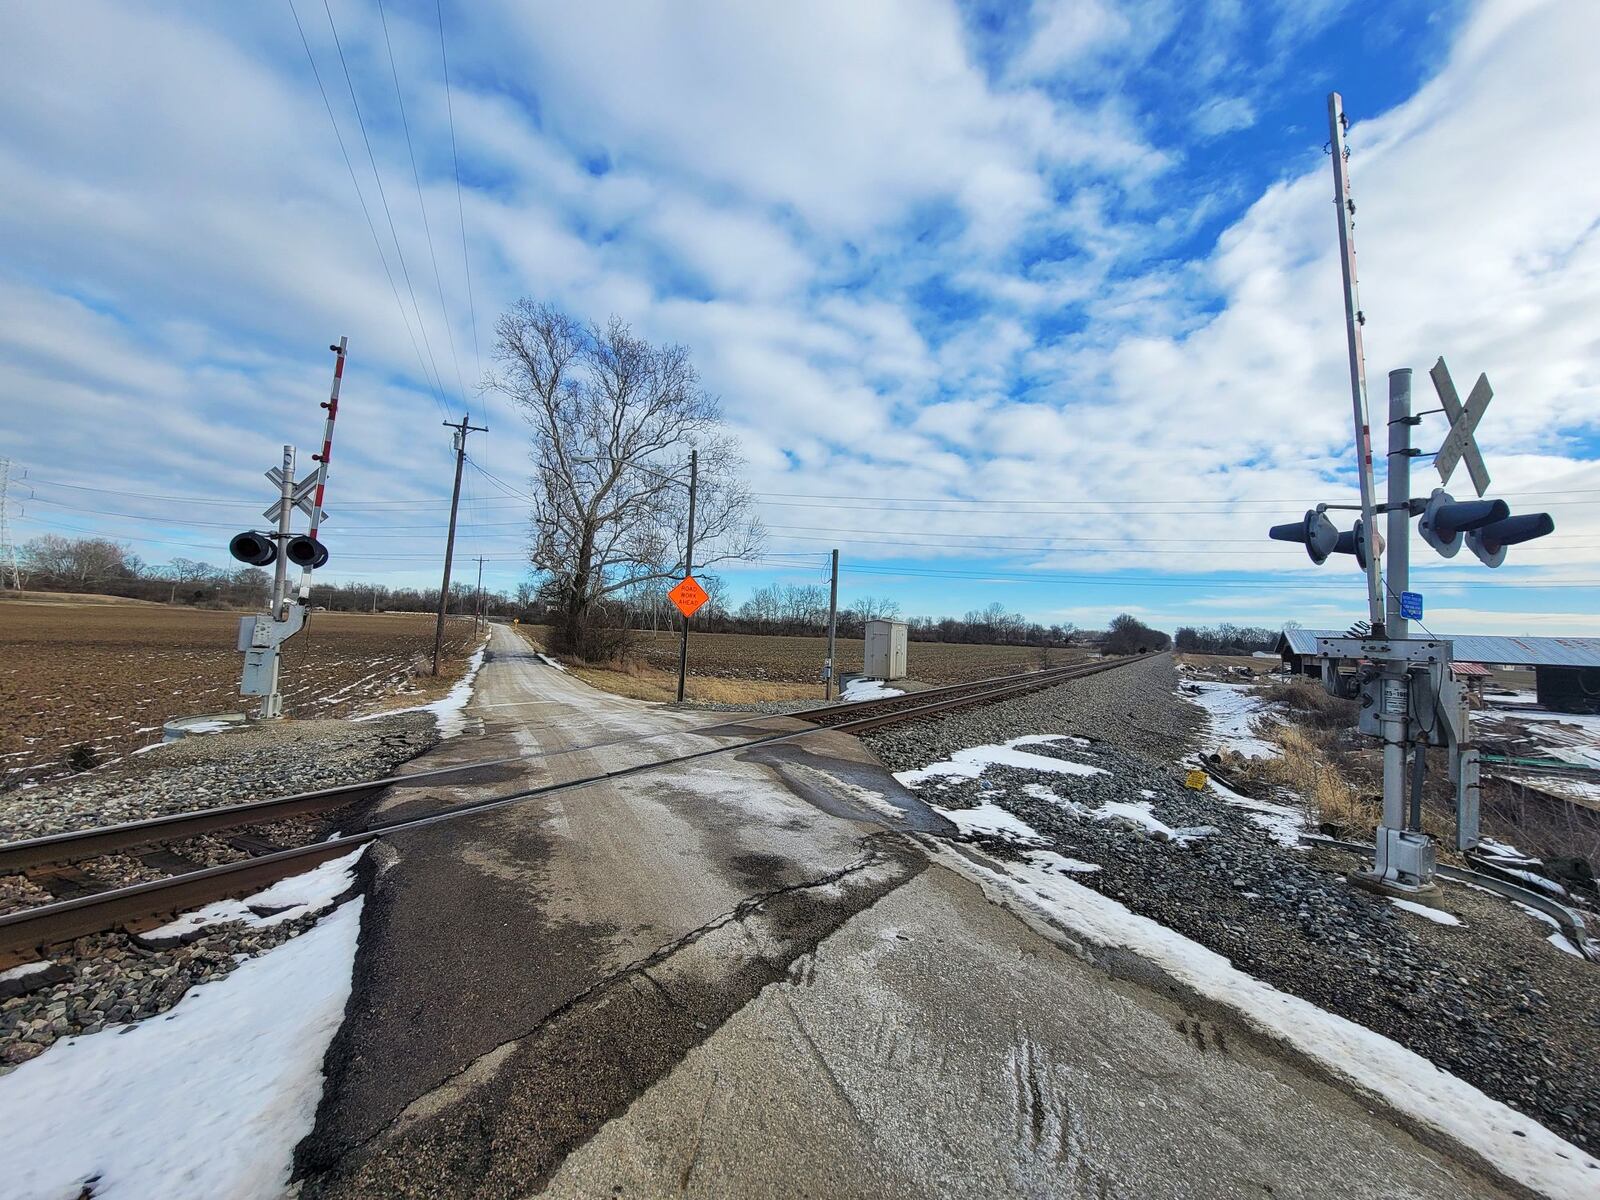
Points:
(876, 608)
(614, 419)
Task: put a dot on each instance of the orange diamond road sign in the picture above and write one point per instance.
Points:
(688, 596)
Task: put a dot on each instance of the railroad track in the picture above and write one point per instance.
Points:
(29, 931)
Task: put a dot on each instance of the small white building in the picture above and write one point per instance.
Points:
(885, 656)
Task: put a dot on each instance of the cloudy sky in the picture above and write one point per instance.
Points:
(1038, 305)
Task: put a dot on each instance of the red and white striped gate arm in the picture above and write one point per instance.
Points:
(332, 405)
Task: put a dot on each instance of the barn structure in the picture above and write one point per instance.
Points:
(1566, 669)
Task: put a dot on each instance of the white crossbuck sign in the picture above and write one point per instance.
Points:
(1459, 443)
(302, 495)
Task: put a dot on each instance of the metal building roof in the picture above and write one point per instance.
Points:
(1504, 651)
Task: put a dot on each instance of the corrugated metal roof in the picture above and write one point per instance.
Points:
(1506, 651)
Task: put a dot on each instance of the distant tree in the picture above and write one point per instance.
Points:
(875, 608)
(614, 419)
(1129, 635)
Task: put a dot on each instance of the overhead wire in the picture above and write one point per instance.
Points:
(388, 215)
(422, 204)
(455, 161)
(361, 196)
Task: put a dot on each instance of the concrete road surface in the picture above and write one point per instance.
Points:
(739, 976)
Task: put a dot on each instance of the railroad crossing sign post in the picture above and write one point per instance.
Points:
(1407, 695)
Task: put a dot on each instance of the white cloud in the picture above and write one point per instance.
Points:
(1225, 115)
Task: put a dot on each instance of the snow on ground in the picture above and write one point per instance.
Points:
(1569, 737)
(450, 712)
(1284, 823)
(550, 662)
(1518, 1146)
(209, 1101)
(869, 689)
(1557, 939)
(296, 896)
(969, 763)
(1140, 813)
(1437, 915)
(25, 970)
(1235, 712)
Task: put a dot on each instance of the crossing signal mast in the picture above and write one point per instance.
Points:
(1407, 694)
(261, 635)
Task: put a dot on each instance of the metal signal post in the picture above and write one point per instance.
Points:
(688, 571)
(332, 405)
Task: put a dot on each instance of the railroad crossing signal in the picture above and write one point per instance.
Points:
(1459, 443)
(688, 596)
(302, 495)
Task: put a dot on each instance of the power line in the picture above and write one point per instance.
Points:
(365, 211)
(388, 215)
(416, 175)
(461, 211)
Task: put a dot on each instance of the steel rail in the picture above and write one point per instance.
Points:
(32, 929)
(77, 845)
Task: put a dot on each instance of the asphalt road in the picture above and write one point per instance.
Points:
(741, 976)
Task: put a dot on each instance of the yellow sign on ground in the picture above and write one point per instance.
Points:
(688, 596)
(1195, 780)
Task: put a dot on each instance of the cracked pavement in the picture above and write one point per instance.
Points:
(743, 975)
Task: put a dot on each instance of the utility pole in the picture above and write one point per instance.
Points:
(833, 626)
(688, 570)
(450, 542)
(477, 615)
(1354, 319)
(8, 548)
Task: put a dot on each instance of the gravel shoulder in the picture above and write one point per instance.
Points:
(1488, 999)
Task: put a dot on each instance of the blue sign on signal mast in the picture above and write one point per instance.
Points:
(1411, 606)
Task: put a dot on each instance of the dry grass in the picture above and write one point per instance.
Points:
(640, 680)
(1308, 767)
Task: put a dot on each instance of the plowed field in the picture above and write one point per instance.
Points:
(82, 685)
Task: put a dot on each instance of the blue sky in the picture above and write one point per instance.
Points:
(1030, 304)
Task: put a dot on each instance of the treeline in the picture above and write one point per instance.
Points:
(1226, 639)
(801, 610)
(99, 566)
(102, 567)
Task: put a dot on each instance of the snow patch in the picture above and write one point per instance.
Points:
(1284, 823)
(296, 896)
(449, 712)
(869, 689)
(550, 662)
(970, 763)
(1233, 710)
(1436, 915)
(26, 969)
(209, 1101)
(1138, 812)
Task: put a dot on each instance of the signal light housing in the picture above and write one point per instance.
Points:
(1355, 542)
(1314, 531)
(254, 548)
(1446, 519)
(1489, 543)
(306, 552)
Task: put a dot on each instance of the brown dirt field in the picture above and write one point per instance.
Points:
(107, 676)
(741, 667)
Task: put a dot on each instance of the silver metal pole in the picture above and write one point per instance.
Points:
(1354, 319)
(285, 511)
(830, 671)
(688, 569)
(1397, 476)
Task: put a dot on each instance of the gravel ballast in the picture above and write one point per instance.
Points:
(252, 763)
(1489, 1000)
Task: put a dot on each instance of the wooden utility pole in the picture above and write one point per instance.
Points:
(450, 541)
(688, 570)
